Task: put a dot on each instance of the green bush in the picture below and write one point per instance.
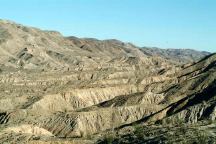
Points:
(108, 139)
(202, 138)
(138, 131)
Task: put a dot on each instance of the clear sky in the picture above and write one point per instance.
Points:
(160, 23)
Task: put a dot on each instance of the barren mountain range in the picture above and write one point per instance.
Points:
(56, 89)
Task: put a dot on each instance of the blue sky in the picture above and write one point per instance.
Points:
(160, 23)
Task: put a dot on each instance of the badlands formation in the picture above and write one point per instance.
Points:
(67, 90)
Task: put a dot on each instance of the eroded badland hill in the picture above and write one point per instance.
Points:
(67, 90)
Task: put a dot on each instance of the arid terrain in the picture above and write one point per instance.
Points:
(68, 90)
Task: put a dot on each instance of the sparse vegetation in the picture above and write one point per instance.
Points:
(138, 131)
(107, 139)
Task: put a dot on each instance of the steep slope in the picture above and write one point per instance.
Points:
(187, 113)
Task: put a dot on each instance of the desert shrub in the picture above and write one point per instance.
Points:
(178, 122)
(89, 136)
(183, 129)
(202, 138)
(138, 131)
(171, 121)
(108, 139)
